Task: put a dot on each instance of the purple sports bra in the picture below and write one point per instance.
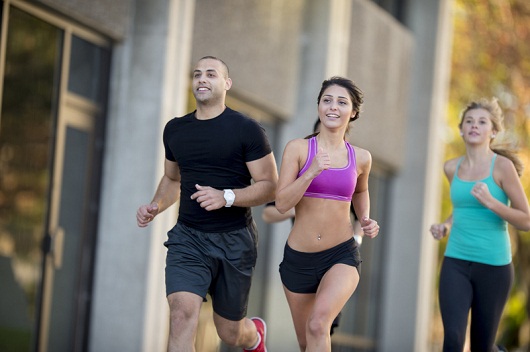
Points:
(333, 183)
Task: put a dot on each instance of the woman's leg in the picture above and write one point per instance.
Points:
(492, 285)
(300, 305)
(455, 296)
(336, 287)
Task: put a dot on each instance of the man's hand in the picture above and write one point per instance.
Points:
(146, 213)
(209, 198)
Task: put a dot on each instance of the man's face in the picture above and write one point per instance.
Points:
(210, 81)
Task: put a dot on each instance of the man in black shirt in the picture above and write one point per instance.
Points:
(212, 154)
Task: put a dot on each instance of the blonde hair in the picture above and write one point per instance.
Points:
(504, 146)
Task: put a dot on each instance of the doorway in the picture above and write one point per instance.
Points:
(54, 79)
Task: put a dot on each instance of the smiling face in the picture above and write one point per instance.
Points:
(476, 126)
(210, 81)
(335, 108)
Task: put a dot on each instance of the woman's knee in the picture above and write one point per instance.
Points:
(303, 346)
(454, 339)
(317, 325)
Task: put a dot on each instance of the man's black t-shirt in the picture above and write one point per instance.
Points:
(213, 153)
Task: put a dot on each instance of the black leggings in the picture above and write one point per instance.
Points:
(482, 288)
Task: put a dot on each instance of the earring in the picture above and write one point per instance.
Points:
(493, 136)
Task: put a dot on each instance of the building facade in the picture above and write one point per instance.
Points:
(87, 87)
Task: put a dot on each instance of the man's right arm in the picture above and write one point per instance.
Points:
(167, 193)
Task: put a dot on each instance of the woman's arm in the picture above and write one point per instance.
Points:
(291, 188)
(518, 213)
(361, 196)
(271, 215)
(441, 230)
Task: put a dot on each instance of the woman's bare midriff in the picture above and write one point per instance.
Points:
(320, 224)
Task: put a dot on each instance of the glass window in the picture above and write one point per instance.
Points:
(26, 134)
(394, 7)
(87, 69)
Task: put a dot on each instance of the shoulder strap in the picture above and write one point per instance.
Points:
(458, 165)
(351, 154)
(493, 163)
(312, 147)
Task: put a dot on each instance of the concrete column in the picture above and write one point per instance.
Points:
(148, 87)
(415, 197)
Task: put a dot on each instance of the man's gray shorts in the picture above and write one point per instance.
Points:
(220, 264)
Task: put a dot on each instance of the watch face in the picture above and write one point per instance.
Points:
(229, 197)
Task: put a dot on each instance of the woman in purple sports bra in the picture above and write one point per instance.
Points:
(320, 177)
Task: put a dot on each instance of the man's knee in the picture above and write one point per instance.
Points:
(183, 309)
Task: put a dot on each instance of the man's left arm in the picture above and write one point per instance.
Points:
(262, 190)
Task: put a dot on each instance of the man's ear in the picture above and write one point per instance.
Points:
(228, 84)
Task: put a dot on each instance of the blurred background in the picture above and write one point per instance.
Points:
(88, 85)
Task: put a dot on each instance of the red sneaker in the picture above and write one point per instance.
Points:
(262, 331)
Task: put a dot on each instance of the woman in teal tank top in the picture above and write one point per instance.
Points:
(486, 194)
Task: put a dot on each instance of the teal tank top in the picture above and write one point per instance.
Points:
(477, 233)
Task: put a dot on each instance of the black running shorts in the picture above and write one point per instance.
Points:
(302, 272)
(220, 264)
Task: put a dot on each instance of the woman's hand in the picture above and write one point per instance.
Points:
(438, 231)
(482, 193)
(320, 162)
(370, 227)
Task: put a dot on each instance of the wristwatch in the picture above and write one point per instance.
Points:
(230, 197)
